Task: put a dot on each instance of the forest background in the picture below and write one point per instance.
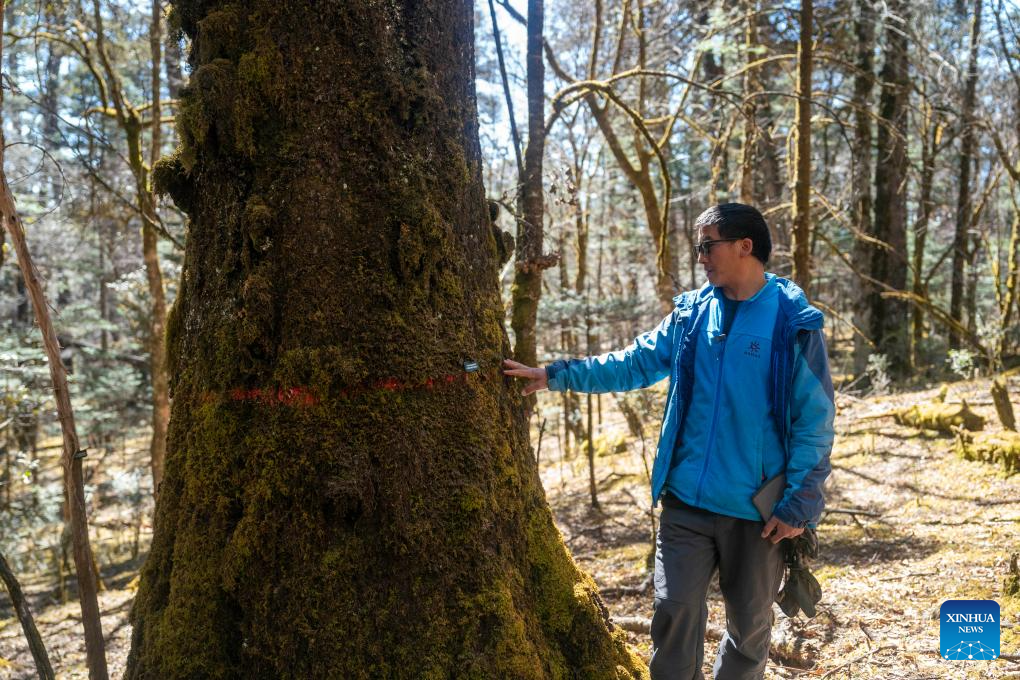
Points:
(880, 139)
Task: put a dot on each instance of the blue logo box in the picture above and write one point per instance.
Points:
(969, 630)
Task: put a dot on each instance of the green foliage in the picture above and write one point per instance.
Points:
(878, 373)
(963, 362)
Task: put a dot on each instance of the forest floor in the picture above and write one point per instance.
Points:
(911, 525)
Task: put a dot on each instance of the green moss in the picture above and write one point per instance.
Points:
(261, 84)
(170, 177)
(498, 616)
(1011, 586)
(206, 102)
(257, 222)
(473, 500)
(173, 335)
(218, 33)
(998, 448)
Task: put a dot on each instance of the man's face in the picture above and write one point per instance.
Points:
(722, 262)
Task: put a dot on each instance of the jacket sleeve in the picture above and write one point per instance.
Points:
(812, 411)
(644, 362)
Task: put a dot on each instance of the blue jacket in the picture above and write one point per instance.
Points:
(733, 419)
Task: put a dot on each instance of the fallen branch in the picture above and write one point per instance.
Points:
(862, 657)
(998, 448)
(35, 642)
(851, 511)
(616, 591)
(635, 624)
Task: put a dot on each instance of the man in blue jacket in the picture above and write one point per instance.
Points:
(750, 398)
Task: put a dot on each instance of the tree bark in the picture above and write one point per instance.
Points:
(1003, 406)
(752, 86)
(150, 255)
(888, 258)
(961, 238)
(344, 497)
(53, 12)
(930, 133)
(527, 286)
(801, 217)
(864, 81)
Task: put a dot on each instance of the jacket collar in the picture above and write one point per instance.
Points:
(801, 315)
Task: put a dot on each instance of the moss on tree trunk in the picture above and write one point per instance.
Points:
(341, 498)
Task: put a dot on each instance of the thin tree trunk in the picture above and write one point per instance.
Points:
(752, 86)
(929, 147)
(515, 136)
(153, 272)
(1009, 297)
(590, 445)
(24, 614)
(864, 80)
(888, 261)
(527, 286)
(72, 455)
(104, 300)
(345, 495)
(1003, 406)
(801, 216)
(51, 91)
(961, 239)
(130, 121)
(566, 340)
(974, 246)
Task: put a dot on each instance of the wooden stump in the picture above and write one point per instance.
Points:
(1000, 395)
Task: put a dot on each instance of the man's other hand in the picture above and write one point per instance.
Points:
(779, 530)
(535, 376)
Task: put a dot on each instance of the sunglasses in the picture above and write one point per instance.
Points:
(705, 247)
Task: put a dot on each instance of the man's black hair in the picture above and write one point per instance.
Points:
(736, 220)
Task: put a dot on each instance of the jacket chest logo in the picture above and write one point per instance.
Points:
(753, 349)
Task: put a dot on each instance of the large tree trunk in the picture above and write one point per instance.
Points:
(888, 261)
(961, 239)
(342, 497)
(864, 81)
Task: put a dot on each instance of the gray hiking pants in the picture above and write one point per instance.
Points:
(691, 544)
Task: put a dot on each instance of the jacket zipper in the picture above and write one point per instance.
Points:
(715, 410)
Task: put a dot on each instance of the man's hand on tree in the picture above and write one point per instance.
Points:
(535, 376)
(782, 530)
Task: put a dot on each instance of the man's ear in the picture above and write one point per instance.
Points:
(746, 246)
